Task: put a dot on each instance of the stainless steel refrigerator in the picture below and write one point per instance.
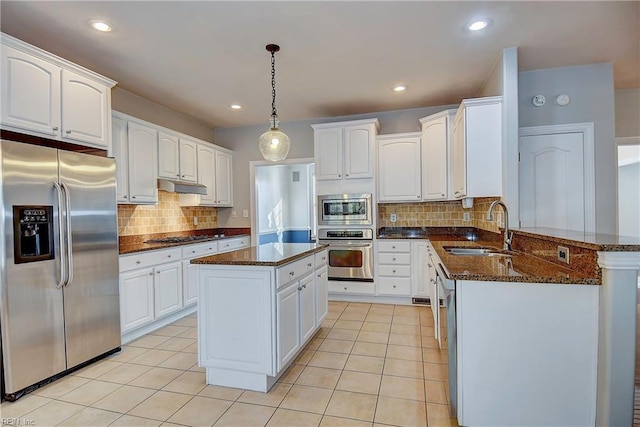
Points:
(59, 293)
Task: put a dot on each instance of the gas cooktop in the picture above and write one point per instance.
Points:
(181, 239)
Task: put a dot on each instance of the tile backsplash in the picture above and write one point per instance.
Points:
(166, 216)
(438, 214)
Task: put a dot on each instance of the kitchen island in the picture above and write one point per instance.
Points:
(257, 309)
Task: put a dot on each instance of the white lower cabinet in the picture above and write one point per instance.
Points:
(394, 267)
(322, 294)
(136, 298)
(168, 288)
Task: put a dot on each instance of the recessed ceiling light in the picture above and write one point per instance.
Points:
(100, 25)
(236, 106)
(400, 88)
(478, 24)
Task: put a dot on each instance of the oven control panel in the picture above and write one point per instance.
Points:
(346, 234)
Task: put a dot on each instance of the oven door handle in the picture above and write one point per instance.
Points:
(352, 245)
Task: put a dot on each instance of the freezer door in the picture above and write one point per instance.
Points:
(31, 310)
(91, 295)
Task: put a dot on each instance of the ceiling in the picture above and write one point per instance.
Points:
(337, 58)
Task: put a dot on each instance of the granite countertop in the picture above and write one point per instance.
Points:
(138, 243)
(518, 267)
(596, 241)
(268, 255)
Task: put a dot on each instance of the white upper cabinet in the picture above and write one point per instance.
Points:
(345, 150)
(436, 133)
(224, 182)
(207, 174)
(399, 167)
(215, 172)
(477, 148)
(47, 96)
(168, 156)
(143, 176)
(177, 158)
(135, 151)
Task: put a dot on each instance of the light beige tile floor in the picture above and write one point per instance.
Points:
(369, 365)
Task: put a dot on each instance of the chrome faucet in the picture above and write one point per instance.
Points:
(507, 236)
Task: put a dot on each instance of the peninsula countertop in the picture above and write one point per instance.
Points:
(267, 255)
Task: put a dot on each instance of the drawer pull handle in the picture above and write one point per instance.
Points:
(394, 271)
(394, 286)
(319, 276)
(429, 264)
(299, 288)
(393, 247)
(193, 252)
(291, 273)
(168, 256)
(309, 265)
(394, 259)
(210, 249)
(55, 128)
(304, 286)
(151, 274)
(138, 262)
(69, 131)
(345, 288)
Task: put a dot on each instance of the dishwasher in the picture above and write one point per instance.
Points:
(447, 289)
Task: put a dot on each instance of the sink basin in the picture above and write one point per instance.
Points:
(463, 250)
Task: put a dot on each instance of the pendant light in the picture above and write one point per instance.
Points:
(274, 144)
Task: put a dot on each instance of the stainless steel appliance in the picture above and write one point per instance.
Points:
(59, 291)
(350, 254)
(344, 209)
(447, 289)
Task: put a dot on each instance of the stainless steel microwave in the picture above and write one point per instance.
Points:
(344, 209)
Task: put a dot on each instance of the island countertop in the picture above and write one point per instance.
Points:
(268, 255)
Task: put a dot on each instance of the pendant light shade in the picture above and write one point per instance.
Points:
(274, 144)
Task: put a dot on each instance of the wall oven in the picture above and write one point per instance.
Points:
(350, 254)
(344, 209)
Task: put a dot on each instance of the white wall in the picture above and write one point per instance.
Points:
(592, 100)
(629, 200)
(244, 143)
(627, 102)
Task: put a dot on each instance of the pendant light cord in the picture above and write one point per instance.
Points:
(273, 84)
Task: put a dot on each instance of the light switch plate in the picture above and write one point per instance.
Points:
(466, 216)
(245, 213)
(234, 214)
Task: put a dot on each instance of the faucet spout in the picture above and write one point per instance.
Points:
(507, 236)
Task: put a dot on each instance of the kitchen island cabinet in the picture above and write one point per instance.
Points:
(257, 309)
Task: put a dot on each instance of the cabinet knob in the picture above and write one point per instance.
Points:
(345, 288)
(133, 197)
(309, 265)
(183, 176)
(210, 249)
(394, 286)
(340, 176)
(193, 252)
(178, 175)
(418, 196)
(69, 131)
(394, 271)
(138, 262)
(304, 286)
(291, 273)
(299, 288)
(55, 128)
(168, 256)
(347, 174)
(394, 259)
(319, 276)
(442, 194)
(125, 196)
(151, 274)
(429, 264)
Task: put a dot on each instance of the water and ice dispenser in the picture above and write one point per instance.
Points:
(33, 233)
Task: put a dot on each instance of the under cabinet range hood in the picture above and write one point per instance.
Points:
(181, 187)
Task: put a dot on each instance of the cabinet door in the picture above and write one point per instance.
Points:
(307, 308)
(168, 288)
(86, 110)
(189, 283)
(120, 153)
(188, 160)
(288, 324)
(399, 169)
(168, 156)
(30, 93)
(143, 173)
(322, 294)
(224, 182)
(434, 159)
(358, 151)
(458, 154)
(207, 174)
(419, 274)
(435, 299)
(328, 153)
(136, 298)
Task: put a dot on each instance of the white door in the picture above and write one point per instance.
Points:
(168, 156)
(85, 110)
(322, 294)
(188, 160)
(307, 308)
(224, 190)
(288, 321)
(434, 159)
(168, 288)
(399, 169)
(136, 298)
(552, 181)
(143, 170)
(189, 283)
(358, 152)
(328, 153)
(121, 154)
(207, 174)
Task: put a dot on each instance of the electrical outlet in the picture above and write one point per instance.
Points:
(245, 213)
(195, 220)
(563, 254)
(393, 218)
(466, 216)
(234, 214)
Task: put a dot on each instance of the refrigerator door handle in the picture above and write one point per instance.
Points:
(67, 199)
(60, 228)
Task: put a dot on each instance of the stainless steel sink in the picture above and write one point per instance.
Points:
(475, 251)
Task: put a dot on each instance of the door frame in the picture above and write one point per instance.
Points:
(255, 235)
(589, 168)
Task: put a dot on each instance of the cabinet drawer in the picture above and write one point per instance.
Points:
(394, 246)
(321, 258)
(394, 286)
(201, 249)
(148, 259)
(394, 259)
(294, 270)
(351, 288)
(227, 245)
(395, 270)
